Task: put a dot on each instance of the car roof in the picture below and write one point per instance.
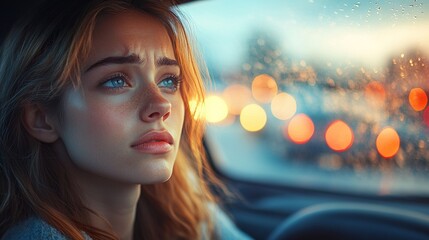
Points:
(12, 10)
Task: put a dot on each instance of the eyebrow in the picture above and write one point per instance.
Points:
(131, 59)
(164, 61)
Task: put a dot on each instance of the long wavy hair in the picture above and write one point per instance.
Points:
(40, 58)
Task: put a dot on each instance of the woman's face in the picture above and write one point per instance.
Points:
(124, 123)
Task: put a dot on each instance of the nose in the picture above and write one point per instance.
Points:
(155, 107)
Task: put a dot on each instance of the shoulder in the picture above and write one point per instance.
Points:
(33, 228)
(224, 226)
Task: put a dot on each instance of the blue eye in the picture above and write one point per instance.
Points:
(115, 82)
(171, 83)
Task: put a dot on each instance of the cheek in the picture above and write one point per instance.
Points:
(110, 122)
(97, 120)
(177, 114)
(92, 129)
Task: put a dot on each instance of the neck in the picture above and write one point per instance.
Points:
(114, 207)
(113, 203)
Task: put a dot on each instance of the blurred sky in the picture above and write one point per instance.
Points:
(365, 31)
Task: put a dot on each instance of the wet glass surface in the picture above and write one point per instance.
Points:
(321, 94)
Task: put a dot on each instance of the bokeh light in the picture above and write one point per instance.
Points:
(375, 93)
(300, 129)
(264, 88)
(388, 142)
(253, 118)
(418, 99)
(216, 109)
(283, 106)
(237, 96)
(339, 136)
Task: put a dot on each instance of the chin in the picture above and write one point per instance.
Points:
(164, 177)
(158, 174)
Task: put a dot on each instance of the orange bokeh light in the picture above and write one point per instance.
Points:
(418, 99)
(300, 129)
(388, 142)
(264, 88)
(339, 136)
(375, 92)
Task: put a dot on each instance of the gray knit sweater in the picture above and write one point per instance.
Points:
(35, 228)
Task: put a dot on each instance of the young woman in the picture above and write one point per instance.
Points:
(98, 140)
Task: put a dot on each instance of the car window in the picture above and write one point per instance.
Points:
(318, 94)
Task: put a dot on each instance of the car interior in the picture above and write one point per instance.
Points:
(295, 200)
(326, 55)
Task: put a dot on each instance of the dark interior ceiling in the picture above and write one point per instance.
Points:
(11, 10)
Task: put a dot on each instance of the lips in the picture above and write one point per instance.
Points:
(154, 142)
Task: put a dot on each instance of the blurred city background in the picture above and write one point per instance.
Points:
(320, 94)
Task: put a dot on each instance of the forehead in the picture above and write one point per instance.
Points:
(129, 32)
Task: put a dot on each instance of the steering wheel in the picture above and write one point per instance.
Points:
(353, 221)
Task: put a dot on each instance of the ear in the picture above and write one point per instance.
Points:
(38, 124)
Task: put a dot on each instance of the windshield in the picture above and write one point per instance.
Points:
(318, 94)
